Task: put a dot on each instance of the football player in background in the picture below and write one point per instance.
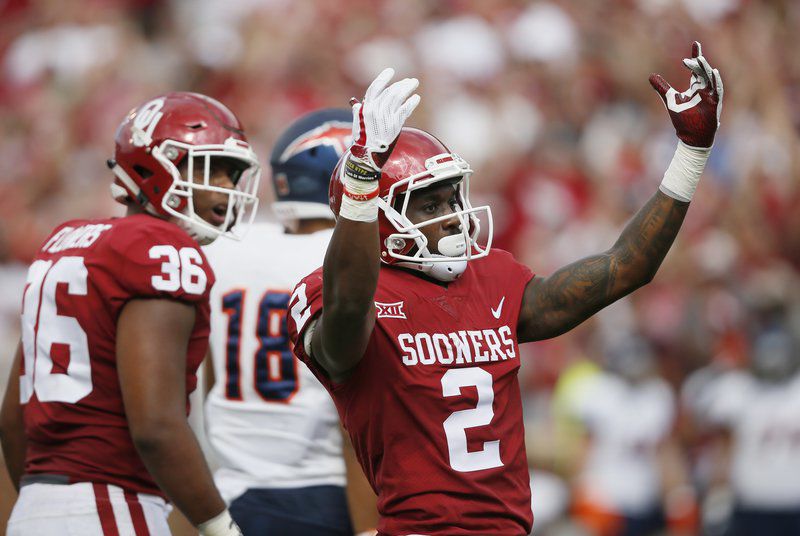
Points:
(626, 415)
(413, 326)
(756, 413)
(272, 426)
(115, 322)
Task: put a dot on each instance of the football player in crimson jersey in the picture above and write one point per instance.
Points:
(413, 326)
(272, 426)
(115, 322)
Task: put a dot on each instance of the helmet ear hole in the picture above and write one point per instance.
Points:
(142, 171)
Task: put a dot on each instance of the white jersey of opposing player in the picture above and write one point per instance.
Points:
(764, 418)
(270, 422)
(626, 423)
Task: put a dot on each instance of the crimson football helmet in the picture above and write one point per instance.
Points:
(176, 132)
(419, 160)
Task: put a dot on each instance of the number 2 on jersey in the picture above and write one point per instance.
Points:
(275, 372)
(455, 426)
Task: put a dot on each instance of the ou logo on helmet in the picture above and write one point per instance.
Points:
(145, 121)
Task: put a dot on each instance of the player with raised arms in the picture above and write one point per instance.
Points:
(115, 322)
(271, 424)
(413, 325)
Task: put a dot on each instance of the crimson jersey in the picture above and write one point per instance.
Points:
(77, 285)
(433, 408)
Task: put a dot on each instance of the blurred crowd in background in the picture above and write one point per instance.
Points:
(549, 102)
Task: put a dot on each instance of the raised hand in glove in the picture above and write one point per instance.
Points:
(695, 112)
(378, 119)
(695, 116)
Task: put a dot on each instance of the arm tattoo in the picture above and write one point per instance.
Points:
(560, 302)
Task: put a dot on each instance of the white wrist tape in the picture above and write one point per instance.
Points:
(309, 336)
(355, 209)
(683, 174)
(221, 525)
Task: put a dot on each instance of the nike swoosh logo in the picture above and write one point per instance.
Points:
(496, 312)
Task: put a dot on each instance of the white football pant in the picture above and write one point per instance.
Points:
(87, 509)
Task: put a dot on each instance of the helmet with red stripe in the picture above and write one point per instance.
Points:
(161, 148)
(419, 161)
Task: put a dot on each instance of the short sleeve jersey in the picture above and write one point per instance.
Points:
(77, 285)
(433, 408)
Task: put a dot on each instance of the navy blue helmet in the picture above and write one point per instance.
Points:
(302, 162)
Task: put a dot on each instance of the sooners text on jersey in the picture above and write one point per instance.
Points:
(76, 288)
(433, 408)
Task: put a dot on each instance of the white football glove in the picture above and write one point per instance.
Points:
(221, 525)
(378, 119)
